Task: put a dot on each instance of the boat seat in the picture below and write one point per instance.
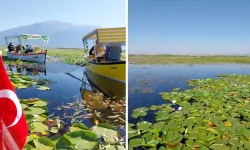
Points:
(36, 48)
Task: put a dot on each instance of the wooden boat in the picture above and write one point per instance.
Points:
(108, 76)
(39, 55)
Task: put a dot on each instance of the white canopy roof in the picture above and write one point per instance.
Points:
(108, 36)
(28, 36)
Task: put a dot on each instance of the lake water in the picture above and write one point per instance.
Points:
(146, 81)
(63, 89)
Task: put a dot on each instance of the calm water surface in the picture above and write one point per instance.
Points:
(146, 81)
(63, 89)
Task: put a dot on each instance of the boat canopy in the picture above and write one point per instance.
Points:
(27, 36)
(108, 36)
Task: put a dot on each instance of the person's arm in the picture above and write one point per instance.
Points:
(91, 51)
(92, 48)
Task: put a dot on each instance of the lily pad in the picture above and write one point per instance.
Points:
(44, 143)
(43, 88)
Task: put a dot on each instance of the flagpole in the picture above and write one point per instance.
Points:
(7, 140)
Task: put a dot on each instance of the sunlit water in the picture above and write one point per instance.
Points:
(145, 82)
(63, 89)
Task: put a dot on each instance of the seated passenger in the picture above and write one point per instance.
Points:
(113, 53)
(18, 48)
(29, 49)
(11, 47)
(98, 50)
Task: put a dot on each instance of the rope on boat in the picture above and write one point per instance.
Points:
(85, 62)
(54, 59)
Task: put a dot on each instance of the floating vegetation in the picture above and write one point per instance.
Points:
(213, 114)
(147, 85)
(64, 129)
(49, 133)
(105, 110)
(71, 56)
(186, 59)
(43, 88)
(68, 56)
(20, 81)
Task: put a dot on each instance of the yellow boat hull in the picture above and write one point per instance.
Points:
(109, 78)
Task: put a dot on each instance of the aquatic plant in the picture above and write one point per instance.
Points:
(49, 133)
(70, 56)
(186, 59)
(213, 114)
(20, 81)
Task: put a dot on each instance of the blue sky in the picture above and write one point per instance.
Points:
(105, 13)
(189, 26)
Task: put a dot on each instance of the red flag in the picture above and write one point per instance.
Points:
(11, 112)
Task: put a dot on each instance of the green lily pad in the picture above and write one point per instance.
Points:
(34, 111)
(135, 142)
(44, 143)
(64, 144)
(83, 139)
(43, 88)
(139, 112)
(39, 127)
(143, 125)
(109, 135)
(39, 103)
(115, 147)
(31, 137)
(78, 127)
(219, 147)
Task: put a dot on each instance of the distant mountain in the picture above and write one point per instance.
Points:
(62, 34)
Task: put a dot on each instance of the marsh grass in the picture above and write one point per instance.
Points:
(186, 59)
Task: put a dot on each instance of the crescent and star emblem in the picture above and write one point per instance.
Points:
(12, 96)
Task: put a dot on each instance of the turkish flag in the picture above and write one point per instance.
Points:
(13, 123)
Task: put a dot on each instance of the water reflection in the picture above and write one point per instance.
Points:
(69, 99)
(111, 88)
(30, 70)
(104, 108)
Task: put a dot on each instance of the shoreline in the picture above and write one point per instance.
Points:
(187, 59)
